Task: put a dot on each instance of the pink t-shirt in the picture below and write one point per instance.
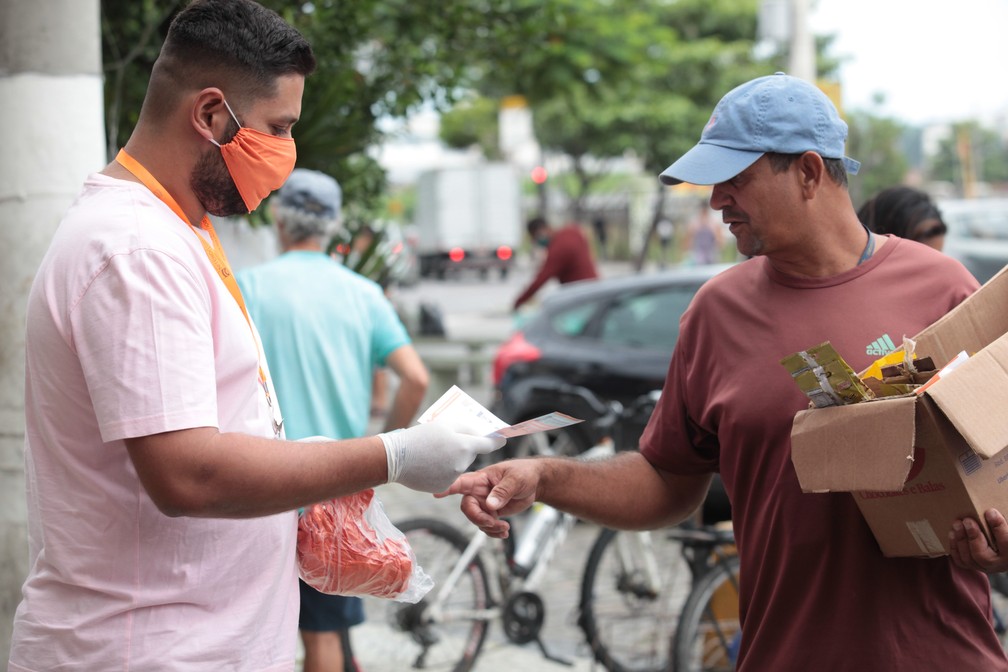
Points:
(131, 332)
(816, 591)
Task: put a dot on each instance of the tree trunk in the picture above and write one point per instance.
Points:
(656, 215)
(51, 85)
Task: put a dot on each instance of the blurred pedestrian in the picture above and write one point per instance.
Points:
(816, 593)
(704, 237)
(568, 256)
(325, 329)
(161, 495)
(905, 212)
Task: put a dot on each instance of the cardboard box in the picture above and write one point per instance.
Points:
(916, 463)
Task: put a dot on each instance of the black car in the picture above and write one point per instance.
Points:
(613, 336)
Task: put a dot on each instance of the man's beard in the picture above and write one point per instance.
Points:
(211, 182)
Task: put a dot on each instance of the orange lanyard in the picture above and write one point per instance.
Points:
(214, 250)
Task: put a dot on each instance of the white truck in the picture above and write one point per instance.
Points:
(468, 218)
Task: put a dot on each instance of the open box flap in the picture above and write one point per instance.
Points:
(971, 326)
(974, 398)
(866, 446)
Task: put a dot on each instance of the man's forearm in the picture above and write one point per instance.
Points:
(623, 492)
(203, 473)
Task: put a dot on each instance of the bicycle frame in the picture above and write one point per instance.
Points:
(435, 610)
(499, 567)
(553, 542)
(508, 582)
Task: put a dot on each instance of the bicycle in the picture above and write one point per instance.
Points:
(636, 585)
(708, 634)
(478, 579)
(637, 589)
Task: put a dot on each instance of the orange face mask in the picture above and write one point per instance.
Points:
(259, 163)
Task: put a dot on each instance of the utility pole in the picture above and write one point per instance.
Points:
(51, 88)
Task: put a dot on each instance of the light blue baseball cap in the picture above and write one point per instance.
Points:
(777, 113)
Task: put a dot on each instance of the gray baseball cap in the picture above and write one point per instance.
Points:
(309, 204)
(313, 193)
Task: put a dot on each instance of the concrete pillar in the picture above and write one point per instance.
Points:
(802, 55)
(51, 110)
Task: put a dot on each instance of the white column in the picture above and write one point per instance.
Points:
(51, 110)
(802, 54)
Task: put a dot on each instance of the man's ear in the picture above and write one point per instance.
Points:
(209, 116)
(811, 172)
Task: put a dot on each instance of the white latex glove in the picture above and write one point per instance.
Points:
(431, 456)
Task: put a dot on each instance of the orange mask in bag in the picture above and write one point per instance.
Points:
(259, 163)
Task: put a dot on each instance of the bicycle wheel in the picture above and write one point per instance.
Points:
(633, 586)
(708, 633)
(415, 636)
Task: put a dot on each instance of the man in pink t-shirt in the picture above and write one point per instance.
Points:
(161, 494)
(816, 593)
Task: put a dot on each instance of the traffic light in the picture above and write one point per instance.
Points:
(538, 175)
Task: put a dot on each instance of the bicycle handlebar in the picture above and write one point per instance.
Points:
(599, 406)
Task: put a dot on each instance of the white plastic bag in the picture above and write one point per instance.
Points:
(348, 546)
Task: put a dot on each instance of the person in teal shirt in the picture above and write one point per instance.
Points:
(324, 329)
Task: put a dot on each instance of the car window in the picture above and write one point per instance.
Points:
(572, 321)
(646, 320)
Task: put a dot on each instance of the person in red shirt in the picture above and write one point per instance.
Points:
(568, 256)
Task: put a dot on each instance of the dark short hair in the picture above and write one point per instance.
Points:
(834, 167)
(901, 211)
(535, 225)
(238, 45)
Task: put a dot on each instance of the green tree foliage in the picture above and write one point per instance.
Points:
(604, 78)
(377, 59)
(973, 153)
(472, 123)
(624, 76)
(132, 33)
(876, 142)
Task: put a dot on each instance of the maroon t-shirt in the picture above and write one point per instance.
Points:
(816, 591)
(568, 259)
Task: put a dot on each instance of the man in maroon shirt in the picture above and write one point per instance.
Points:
(816, 593)
(568, 257)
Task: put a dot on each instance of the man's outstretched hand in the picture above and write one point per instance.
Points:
(499, 490)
